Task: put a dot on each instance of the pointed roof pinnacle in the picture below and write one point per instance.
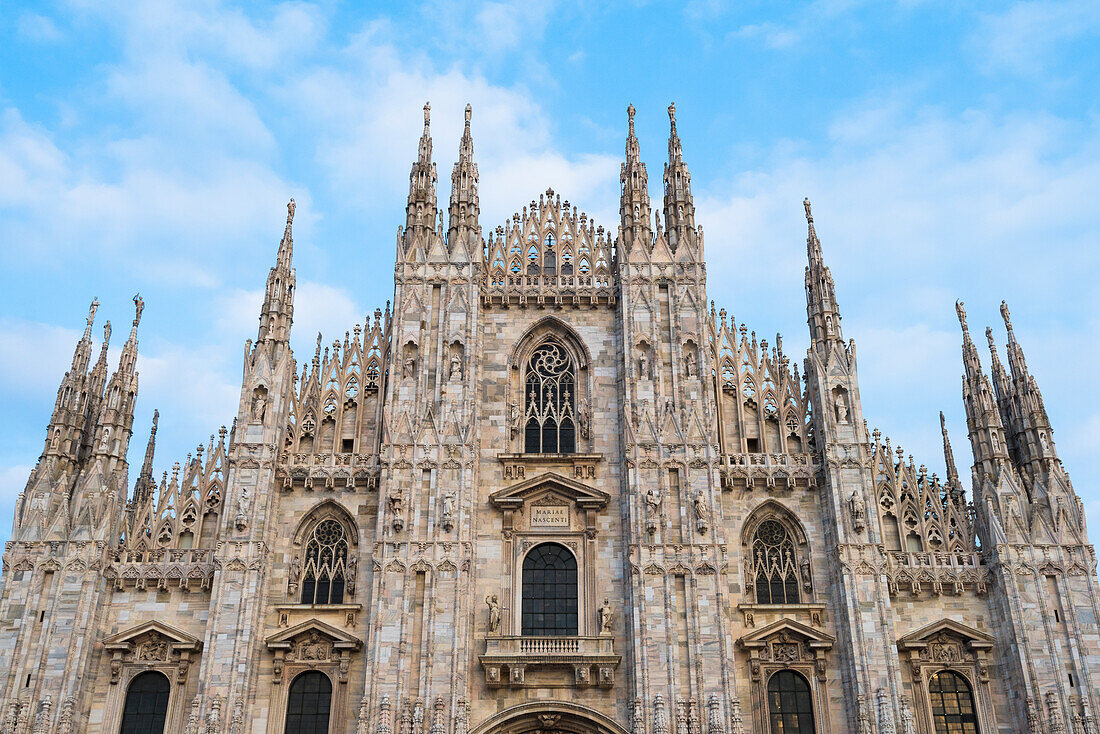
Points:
(813, 244)
(286, 246)
(971, 362)
(91, 317)
(948, 454)
(675, 153)
(426, 137)
(147, 465)
(630, 119)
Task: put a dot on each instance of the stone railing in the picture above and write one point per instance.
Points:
(163, 568)
(936, 572)
(328, 471)
(549, 290)
(514, 654)
(769, 470)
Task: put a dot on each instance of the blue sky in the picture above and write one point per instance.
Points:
(952, 150)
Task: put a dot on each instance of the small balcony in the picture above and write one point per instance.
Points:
(509, 660)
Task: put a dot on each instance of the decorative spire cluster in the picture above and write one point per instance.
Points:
(823, 314)
(464, 182)
(679, 204)
(420, 214)
(277, 312)
(634, 206)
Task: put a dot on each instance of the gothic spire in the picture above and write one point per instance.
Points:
(277, 311)
(823, 314)
(145, 484)
(1032, 432)
(421, 211)
(1016, 359)
(971, 363)
(68, 415)
(464, 181)
(948, 454)
(679, 204)
(983, 416)
(634, 211)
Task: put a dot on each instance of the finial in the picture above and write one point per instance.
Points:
(427, 114)
(106, 333)
(156, 416)
(943, 424)
(469, 112)
(139, 306)
(1006, 316)
(809, 214)
(672, 114)
(92, 310)
(630, 118)
(962, 315)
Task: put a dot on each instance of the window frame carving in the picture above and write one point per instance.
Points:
(588, 656)
(151, 646)
(802, 566)
(297, 563)
(788, 645)
(311, 645)
(550, 329)
(951, 646)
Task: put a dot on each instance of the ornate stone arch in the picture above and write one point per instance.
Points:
(777, 555)
(542, 329)
(320, 511)
(325, 511)
(773, 509)
(560, 715)
(551, 329)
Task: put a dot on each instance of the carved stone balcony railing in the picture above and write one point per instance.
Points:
(163, 568)
(769, 471)
(344, 471)
(936, 572)
(548, 290)
(508, 659)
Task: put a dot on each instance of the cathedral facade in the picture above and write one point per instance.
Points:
(549, 490)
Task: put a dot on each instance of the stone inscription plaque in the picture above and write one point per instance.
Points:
(550, 516)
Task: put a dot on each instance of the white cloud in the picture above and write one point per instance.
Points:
(1024, 38)
(38, 28)
(916, 208)
(34, 356)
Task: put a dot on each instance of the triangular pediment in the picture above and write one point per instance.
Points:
(546, 483)
(921, 638)
(813, 638)
(335, 635)
(176, 638)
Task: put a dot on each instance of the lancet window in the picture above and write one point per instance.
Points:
(325, 569)
(550, 399)
(952, 704)
(146, 704)
(790, 705)
(549, 591)
(775, 569)
(309, 704)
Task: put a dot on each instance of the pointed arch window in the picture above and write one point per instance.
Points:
(309, 704)
(775, 572)
(549, 591)
(146, 704)
(790, 705)
(952, 704)
(325, 565)
(549, 400)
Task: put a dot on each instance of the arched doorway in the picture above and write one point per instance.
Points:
(549, 718)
